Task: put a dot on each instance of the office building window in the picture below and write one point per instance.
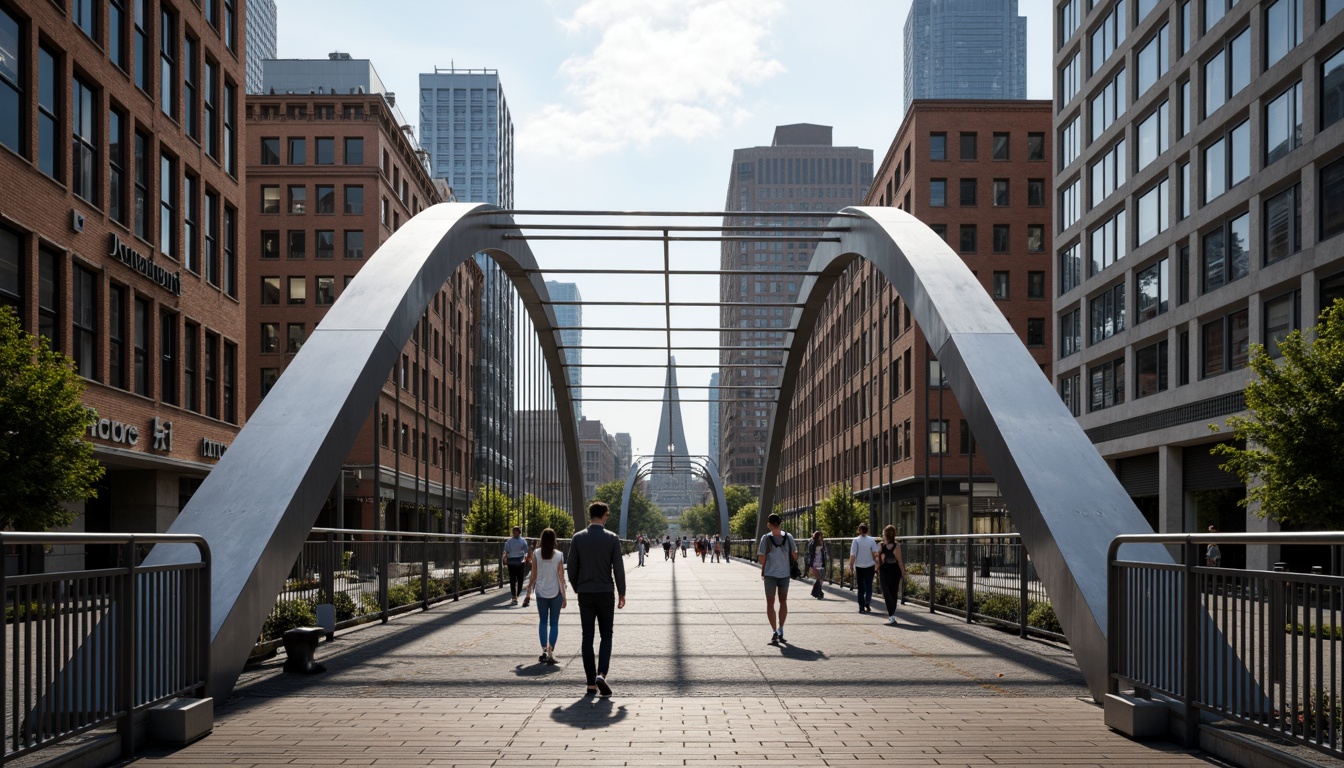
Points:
(1108, 242)
(116, 33)
(937, 146)
(1332, 90)
(325, 151)
(1070, 142)
(325, 195)
(968, 146)
(270, 337)
(354, 244)
(116, 336)
(230, 251)
(1000, 146)
(1227, 72)
(1070, 14)
(85, 322)
(230, 29)
(1152, 60)
(326, 291)
(1227, 161)
(1150, 369)
(293, 337)
(190, 358)
(141, 194)
(140, 48)
(1283, 29)
(1035, 285)
(325, 244)
(298, 289)
(1070, 332)
(1106, 385)
(270, 198)
(1035, 331)
(140, 338)
(1000, 290)
(967, 241)
(1035, 146)
(116, 166)
(1070, 204)
(938, 443)
(49, 102)
(1000, 193)
(168, 358)
(1035, 193)
(937, 193)
(1226, 256)
(270, 290)
(1070, 79)
(354, 150)
(209, 102)
(1153, 133)
(1153, 213)
(1107, 313)
(268, 378)
(1184, 195)
(1225, 344)
(298, 199)
(298, 243)
(1108, 173)
(190, 214)
(354, 199)
(230, 378)
(1283, 122)
(1109, 104)
(1281, 319)
(1332, 199)
(212, 374)
(189, 88)
(1035, 238)
(167, 205)
(84, 150)
(1152, 285)
(1283, 224)
(270, 150)
(1002, 238)
(1070, 392)
(968, 188)
(298, 150)
(167, 62)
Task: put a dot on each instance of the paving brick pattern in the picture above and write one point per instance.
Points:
(696, 684)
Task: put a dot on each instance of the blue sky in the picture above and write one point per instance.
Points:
(638, 105)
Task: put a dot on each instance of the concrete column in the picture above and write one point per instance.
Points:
(1170, 489)
(143, 501)
(1260, 557)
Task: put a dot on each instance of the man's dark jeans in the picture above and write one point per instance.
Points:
(516, 580)
(597, 607)
(864, 577)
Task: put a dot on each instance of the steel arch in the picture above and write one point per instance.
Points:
(711, 471)
(257, 505)
(1066, 501)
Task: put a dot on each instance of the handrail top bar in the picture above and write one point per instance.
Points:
(419, 534)
(670, 214)
(671, 227)
(1315, 537)
(75, 537)
(937, 537)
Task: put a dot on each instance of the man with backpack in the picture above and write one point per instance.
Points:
(777, 552)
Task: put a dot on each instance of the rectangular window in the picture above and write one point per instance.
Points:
(141, 341)
(1152, 60)
(937, 194)
(210, 122)
(167, 62)
(1227, 161)
(1108, 243)
(268, 378)
(211, 266)
(190, 254)
(1070, 80)
(85, 322)
(293, 337)
(937, 146)
(967, 241)
(189, 89)
(354, 199)
(1150, 369)
(1153, 206)
(1108, 173)
(326, 151)
(230, 30)
(1070, 14)
(298, 244)
(1070, 391)
(325, 244)
(167, 205)
(354, 150)
(230, 379)
(1070, 332)
(1070, 142)
(1227, 72)
(84, 149)
(1035, 238)
(968, 189)
(1035, 146)
(298, 289)
(1109, 104)
(1035, 193)
(190, 357)
(1035, 332)
(298, 199)
(1000, 290)
(49, 102)
(1106, 385)
(1332, 199)
(168, 358)
(116, 336)
(298, 151)
(325, 195)
(968, 146)
(1035, 285)
(116, 34)
(1283, 224)
(1283, 122)
(1107, 313)
(1002, 238)
(140, 57)
(938, 443)
(1281, 319)
(270, 337)
(1332, 90)
(326, 291)
(1108, 35)
(228, 140)
(1153, 133)
(1151, 287)
(1225, 256)
(230, 251)
(270, 198)
(270, 290)
(212, 374)
(1225, 344)
(354, 244)
(270, 150)
(1070, 204)
(1000, 146)
(116, 167)
(1000, 193)
(1283, 29)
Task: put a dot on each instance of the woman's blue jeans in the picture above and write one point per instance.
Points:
(548, 609)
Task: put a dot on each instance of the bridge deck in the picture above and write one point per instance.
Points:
(696, 684)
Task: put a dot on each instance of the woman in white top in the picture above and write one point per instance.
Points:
(548, 583)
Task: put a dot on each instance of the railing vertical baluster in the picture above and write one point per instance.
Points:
(1190, 652)
(1025, 599)
(424, 573)
(970, 580)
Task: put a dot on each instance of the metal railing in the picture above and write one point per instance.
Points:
(985, 577)
(1260, 648)
(372, 575)
(86, 648)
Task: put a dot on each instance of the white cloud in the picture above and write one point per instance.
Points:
(661, 69)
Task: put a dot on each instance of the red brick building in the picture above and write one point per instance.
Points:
(330, 177)
(120, 219)
(869, 412)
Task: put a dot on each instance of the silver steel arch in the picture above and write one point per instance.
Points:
(1066, 501)
(711, 471)
(258, 504)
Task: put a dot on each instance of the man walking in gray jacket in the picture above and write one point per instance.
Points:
(594, 559)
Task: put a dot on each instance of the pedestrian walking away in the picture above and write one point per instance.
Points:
(862, 561)
(718, 549)
(548, 584)
(595, 566)
(685, 547)
(891, 569)
(641, 545)
(667, 548)
(1213, 556)
(819, 560)
(777, 552)
(516, 551)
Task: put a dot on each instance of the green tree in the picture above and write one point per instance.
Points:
(45, 461)
(538, 515)
(1294, 433)
(743, 522)
(701, 518)
(737, 496)
(491, 513)
(840, 513)
(644, 516)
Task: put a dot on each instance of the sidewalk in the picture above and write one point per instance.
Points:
(696, 683)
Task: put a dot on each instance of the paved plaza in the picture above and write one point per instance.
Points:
(696, 683)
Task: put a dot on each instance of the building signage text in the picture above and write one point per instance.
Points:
(110, 429)
(145, 265)
(213, 449)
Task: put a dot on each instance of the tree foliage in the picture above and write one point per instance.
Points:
(491, 514)
(840, 513)
(645, 518)
(1293, 459)
(701, 518)
(538, 515)
(743, 522)
(737, 496)
(44, 459)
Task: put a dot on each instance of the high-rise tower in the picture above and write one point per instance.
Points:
(671, 484)
(965, 49)
(261, 40)
(569, 315)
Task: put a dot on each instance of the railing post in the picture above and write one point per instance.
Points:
(933, 576)
(1278, 651)
(1025, 605)
(424, 574)
(128, 668)
(482, 570)
(1112, 624)
(457, 567)
(385, 554)
(1190, 647)
(970, 579)
(328, 569)
(203, 611)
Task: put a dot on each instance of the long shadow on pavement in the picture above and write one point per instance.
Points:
(589, 712)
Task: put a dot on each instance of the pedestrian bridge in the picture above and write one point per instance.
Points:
(695, 682)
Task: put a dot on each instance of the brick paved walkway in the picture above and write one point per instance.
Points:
(696, 684)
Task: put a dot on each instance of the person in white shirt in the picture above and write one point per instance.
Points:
(548, 583)
(863, 561)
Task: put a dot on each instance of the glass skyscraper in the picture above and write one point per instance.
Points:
(261, 40)
(570, 316)
(965, 49)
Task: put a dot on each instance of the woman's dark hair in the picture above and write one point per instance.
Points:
(889, 533)
(547, 543)
(816, 536)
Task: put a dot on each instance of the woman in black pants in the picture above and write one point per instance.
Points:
(890, 569)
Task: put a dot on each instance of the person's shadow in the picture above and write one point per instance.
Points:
(797, 653)
(536, 670)
(589, 712)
